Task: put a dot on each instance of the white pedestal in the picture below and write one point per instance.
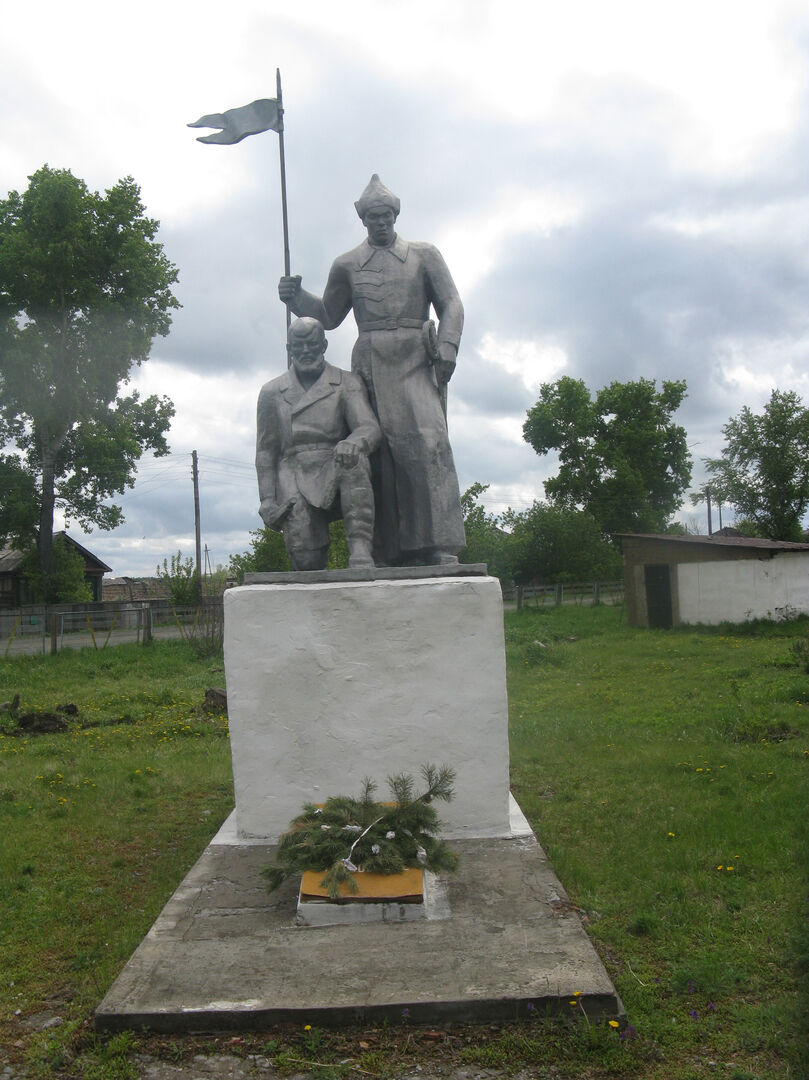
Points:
(329, 683)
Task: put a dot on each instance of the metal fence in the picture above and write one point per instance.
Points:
(589, 593)
(49, 629)
(39, 628)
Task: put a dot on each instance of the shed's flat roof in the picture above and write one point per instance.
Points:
(718, 541)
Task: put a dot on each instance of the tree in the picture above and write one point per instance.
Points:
(554, 544)
(763, 469)
(267, 555)
(84, 290)
(544, 543)
(486, 540)
(68, 584)
(19, 501)
(181, 579)
(621, 456)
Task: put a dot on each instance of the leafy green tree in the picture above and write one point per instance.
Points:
(181, 578)
(267, 555)
(18, 503)
(553, 544)
(84, 290)
(621, 456)
(486, 540)
(544, 543)
(68, 584)
(763, 469)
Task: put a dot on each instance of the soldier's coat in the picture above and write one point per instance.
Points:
(391, 291)
(298, 429)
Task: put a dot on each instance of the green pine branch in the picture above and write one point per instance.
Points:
(348, 834)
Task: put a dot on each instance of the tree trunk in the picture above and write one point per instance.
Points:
(45, 533)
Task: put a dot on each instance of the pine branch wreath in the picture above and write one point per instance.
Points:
(345, 834)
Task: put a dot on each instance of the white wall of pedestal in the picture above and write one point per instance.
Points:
(330, 683)
(742, 589)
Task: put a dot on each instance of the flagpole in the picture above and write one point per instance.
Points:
(283, 183)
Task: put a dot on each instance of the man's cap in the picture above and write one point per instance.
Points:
(376, 194)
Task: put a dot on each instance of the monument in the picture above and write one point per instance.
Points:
(398, 660)
(371, 671)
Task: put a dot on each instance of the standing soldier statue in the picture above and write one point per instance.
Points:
(405, 365)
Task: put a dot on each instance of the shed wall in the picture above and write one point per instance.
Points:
(742, 589)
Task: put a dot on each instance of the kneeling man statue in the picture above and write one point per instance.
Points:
(316, 430)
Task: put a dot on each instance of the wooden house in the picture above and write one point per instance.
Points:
(14, 588)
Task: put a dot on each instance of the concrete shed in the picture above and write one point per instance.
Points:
(672, 580)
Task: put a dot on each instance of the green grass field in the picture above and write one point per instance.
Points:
(665, 773)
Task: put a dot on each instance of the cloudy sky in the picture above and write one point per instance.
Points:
(620, 190)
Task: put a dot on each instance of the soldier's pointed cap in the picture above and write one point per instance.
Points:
(376, 194)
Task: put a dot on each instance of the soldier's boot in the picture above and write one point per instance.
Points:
(357, 502)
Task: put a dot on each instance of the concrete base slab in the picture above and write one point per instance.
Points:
(226, 955)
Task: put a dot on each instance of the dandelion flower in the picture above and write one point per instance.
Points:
(614, 1024)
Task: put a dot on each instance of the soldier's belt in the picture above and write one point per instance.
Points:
(391, 324)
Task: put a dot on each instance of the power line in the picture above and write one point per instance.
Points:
(230, 461)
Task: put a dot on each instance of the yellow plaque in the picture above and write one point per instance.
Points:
(404, 888)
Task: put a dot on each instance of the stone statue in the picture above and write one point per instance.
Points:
(405, 365)
(315, 432)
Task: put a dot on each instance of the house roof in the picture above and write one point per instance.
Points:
(87, 555)
(716, 541)
(11, 559)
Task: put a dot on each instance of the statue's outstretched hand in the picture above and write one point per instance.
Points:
(289, 287)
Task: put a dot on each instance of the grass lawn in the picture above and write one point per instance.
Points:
(664, 771)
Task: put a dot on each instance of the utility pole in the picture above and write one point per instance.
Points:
(195, 473)
(708, 501)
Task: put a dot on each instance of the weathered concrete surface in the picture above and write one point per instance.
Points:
(225, 954)
(329, 683)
